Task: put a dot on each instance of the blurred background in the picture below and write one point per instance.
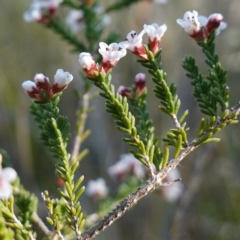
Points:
(209, 208)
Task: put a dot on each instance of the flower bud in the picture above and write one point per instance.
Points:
(125, 92)
(140, 83)
(42, 82)
(31, 89)
(61, 80)
(87, 64)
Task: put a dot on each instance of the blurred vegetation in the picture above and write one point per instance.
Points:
(26, 49)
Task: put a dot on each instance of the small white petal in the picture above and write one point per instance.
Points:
(112, 52)
(190, 22)
(9, 174)
(86, 61)
(62, 78)
(28, 85)
(39, 77)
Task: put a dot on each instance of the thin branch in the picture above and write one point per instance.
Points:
(20, 224)
(41, 224)
(80, 129)
(153, 183)
(175, 121)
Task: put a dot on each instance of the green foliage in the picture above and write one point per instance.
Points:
(118, 107)
(5, 233)
(145, 127)
(7, 209)
(170, 103)
(210, 90)
(54, 127)
(26, 204)
(55, 134)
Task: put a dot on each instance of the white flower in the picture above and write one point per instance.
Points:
(133, 40)
(216, 17)
(127, 164)
(97, 188)
(111, 53)
(190, 22)
(173, 192)
(62, 78)
(38, 9)
(154, 31)
(74, 20)
(201, 26)
(7, 175)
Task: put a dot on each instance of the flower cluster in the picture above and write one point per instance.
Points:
(127, 164)
(40, 11)
(97, 188)
(138, 88)
(200, 27)
(112, 53)
(41, 87)
(7, 175)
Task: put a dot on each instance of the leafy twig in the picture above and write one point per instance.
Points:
(156, 180)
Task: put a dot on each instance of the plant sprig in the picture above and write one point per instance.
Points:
(144, 125)
(55, 133)
(212, 89)
(118, 107)
(7, 209)
(170, 103)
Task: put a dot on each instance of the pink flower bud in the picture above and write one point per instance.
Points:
(125, 92)
(42, 82)
(214, 22)
(140, 83)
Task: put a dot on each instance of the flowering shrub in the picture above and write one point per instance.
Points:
(152, 162)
